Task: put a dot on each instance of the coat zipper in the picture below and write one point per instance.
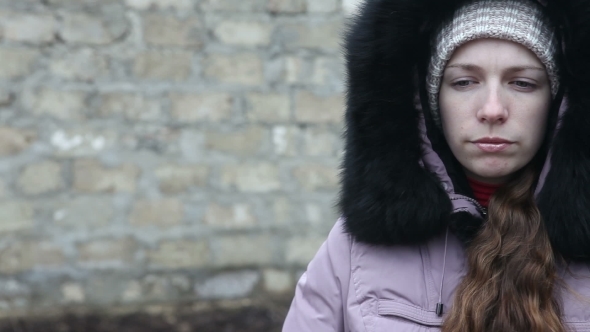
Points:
(484, 212)
(480, 208)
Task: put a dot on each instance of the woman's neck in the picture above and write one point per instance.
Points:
(483, 191)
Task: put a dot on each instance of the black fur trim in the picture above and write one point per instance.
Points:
(386, 196)
(564, 200)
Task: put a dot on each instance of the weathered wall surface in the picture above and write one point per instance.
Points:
(165, 150)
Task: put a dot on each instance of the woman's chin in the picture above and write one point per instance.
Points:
(490, 175)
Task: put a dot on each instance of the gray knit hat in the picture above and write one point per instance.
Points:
(520, 21)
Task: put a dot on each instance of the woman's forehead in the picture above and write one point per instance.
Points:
(494, 52)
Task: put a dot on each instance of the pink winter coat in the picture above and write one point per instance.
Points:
(355, 287)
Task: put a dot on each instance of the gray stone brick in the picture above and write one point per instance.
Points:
(109, 251)
(313, 177)
(92, 177)
(277, 281)
(242, 250)
(154, 287)
(26, 255)
(83, 212)
(130, 106)
(245, 33)
(133, 292)
(297, 70)
(207, 107)
(287, 6)
(158, 287)
(64, 105)
(179, 254)
(11, 288)
(6, 97)
(319, 71)
(234, 216)
(244, 68)
(46, 254)
(40, 178)
(300, 250)
(269, 107)
(238, 142)
(14, 140)
(16, 216)
(166, 212)
(105, 288)
(323, 6)
(313, 108)
(174, 179)
(5, 192)
(160, 4)
(191, 145)
(28, 28)
(82, 141)
(93, 29)
(16, 63)
(320, 214)
(73, 292)
(76, 3)
(325, 35)
(152, 138)
(319, 141)
(228, 285)
(84, 65)
(282, 210)
(286, 140)
(160, 30)
(234, 5)
(254, 178)
(165, 66)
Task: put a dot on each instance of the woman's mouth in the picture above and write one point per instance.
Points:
(492, 144)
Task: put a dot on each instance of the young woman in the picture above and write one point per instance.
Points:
(466, 180)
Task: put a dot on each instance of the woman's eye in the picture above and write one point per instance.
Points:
(523, 84)
(463, 83)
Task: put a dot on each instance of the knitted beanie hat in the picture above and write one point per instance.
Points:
(520, 21)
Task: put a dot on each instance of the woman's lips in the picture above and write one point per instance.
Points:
(492, 144)
(492, 147)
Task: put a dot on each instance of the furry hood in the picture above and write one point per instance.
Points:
(400, 183)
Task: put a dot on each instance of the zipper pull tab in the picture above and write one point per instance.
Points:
(439, 309)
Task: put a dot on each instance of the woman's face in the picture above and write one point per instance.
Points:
(494, 103)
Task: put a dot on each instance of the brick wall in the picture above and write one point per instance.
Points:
(164, 150)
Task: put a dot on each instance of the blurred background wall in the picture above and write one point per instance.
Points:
(165, 150)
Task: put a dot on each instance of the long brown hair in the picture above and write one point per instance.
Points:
(512, 269)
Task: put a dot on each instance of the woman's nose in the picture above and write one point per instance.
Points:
(494, 109)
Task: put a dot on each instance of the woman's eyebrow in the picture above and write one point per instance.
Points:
(465, 66)
(521, 68)
(513, 69)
